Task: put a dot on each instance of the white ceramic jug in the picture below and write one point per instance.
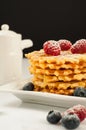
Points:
(11, 45)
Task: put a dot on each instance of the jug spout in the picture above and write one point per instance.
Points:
(26, 43)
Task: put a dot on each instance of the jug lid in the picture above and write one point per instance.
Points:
(6, 32)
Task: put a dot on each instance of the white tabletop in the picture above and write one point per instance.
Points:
(16, 115)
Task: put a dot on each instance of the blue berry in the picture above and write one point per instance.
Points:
(28, 86)
(70, 121)
(54, 117)
(80, 92)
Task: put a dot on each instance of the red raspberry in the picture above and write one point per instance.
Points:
(65, 44)
(79, 47)
(79, 110)
(52, 48)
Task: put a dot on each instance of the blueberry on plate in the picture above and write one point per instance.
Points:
(80, 92)
(70, 121)
(53, 117)
(28, 86)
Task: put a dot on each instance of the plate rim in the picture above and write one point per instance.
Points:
(31, 95)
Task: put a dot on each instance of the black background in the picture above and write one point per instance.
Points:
(42, 20)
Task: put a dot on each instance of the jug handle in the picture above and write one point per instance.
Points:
(26, 43)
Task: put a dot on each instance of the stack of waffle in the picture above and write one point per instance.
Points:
(57, 74)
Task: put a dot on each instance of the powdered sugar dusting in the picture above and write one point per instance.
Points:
(65, 44)
(79, 47)
(52, 48)
(81, 41)
(52, 44)
(79, 110)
